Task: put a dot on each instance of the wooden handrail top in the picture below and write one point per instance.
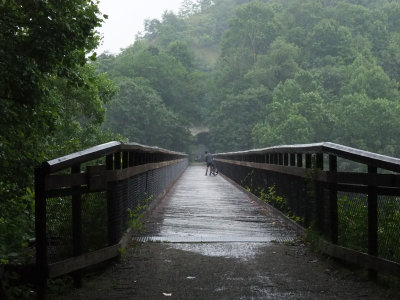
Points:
(356, 155)
(100, 151)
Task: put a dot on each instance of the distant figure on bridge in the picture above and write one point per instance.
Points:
(209, 161)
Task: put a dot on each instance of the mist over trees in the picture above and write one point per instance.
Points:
(261, 73)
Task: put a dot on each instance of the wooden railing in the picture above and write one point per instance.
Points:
(83, 202)
(319, 191)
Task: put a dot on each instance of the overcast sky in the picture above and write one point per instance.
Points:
(126, 18)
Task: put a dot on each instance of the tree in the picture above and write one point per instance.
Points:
(390, 58)
(40, 39)
(367, 123)
(278, 65)
(47, 96)
(253, 27)
(297, 114)
(169, 71)
(150, 121)
(231, 123)
(365, 76)
(328, 38)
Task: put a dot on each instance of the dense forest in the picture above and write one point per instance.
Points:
(262, 73)
(254, 73)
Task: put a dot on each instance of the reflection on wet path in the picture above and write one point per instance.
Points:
(208, 209)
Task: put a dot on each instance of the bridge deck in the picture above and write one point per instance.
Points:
(209, 209)
(210, 241)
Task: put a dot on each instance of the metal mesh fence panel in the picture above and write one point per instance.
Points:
(94, 221)
(105, 215)
(59, 228)
(308, 202)
(286, 193)
(388, 227)
(353, 220)
(137, 192)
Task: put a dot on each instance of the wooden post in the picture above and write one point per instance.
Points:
(333, 202)
(77, 226)
(307, 202)
(40, 233)
(372, 220)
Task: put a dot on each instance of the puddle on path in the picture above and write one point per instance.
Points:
(241, 251)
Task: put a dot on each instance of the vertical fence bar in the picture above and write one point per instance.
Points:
(372, 220)
(77, 226)
(319, 194)
(333, 202)
(307, 201)
(40, 233)
(111, 205)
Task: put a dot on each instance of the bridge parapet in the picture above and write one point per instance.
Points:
(358, 211)
(86, 200)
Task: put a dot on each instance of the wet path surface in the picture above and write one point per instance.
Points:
(209, 209)
(208, 240)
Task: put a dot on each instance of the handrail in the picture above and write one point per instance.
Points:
(307, 178)
(99, 151)
(102, 183)
(357, 155)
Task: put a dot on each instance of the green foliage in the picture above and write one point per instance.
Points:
(388, 225)
(51, 102)
(150, 121)
(362, 122)
(136, 215)
(13, 288)
(162, 93)
(353, 224)
(310, 55)
(231, 122)
(40, 39)
(271, 197)
(16, 219)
